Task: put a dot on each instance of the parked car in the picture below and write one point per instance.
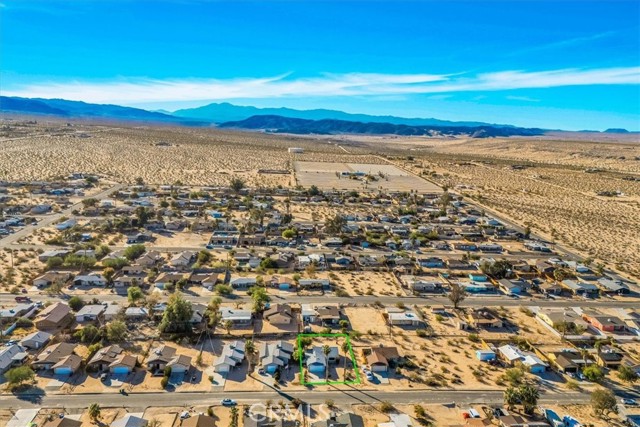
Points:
(228, 402)
(628, 402)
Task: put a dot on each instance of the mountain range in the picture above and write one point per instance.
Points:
(279, 124)
(225, 112)
(79, 109)
(287, 120)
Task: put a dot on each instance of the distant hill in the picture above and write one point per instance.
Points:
(225, 112)
(279, 124)
(78, 109)
(615, 130)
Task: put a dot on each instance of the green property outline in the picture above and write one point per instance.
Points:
(351, 354)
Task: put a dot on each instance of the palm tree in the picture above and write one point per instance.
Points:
(345, 350)
(250, 351)
(511, 397)
(529, 395)
(326, 350)
(94, 412)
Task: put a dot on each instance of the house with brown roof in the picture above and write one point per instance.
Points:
(62, 422)
(484, 318)
(380, 358)
(55, 316)
(199, 421)
(163, 356)
(279, 315)
(105, 357)
(58, 357)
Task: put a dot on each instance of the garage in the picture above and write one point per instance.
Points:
(379, 367)
(178, 369)
(120, 370)
(63, 370)
(316, 368)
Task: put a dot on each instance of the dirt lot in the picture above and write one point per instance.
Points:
(382, 177)
(367, 320)
(367, 283)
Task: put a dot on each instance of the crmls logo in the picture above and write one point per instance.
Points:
(259, 411)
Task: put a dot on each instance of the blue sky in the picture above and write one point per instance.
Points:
(570, 65)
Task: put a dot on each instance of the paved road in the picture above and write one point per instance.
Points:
(491, 301)
(346, 396)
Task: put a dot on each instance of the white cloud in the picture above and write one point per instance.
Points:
(522, 98)
(141, 90)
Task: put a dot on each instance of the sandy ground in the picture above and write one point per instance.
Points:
(367, 283)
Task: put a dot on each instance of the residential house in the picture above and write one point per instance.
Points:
(236, 316)
(512, 287)
(150, 259)
(484, 318)
(36, 340)
(57, 253)
(168, 279)
(136, 314)
(604, 323)
(130, 420)
(324, 284)
(346, 419)
(12, 356)
(164, 355)
(317, 362)
(58, 357)
(609, 357)
(242, 282)
(55, 316)
(91, 313)
(580, 288)
(51, 277)
(381, 358)
(568, 360)
(199, 420)
(93, 279)
(183, 259)
(111, 311)
(279, 315)
(275, 355)
(232, 356)
(422, 284)
(105, 357)
(403, 317)
(62, 422)
(512, 355)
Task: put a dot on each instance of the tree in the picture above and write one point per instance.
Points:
(259, 297)
(250, 351)
(94, 412)
(457, 294)
(511, 397)
(116, 331)
(177, 316)
(134, 251)
(134, 293)
(54, 262)
(269, 264)
(498, 269)
(88, 334)
(326, 350)
(627, 374)
(603, 402)
(108, 274)
(227, 325)
(529, 395)
(237, 184)
(334, 225)
(20, 375)
(115, 264)
(204, 257)
(90, 202)
(289, 233)
(76, 303)
(345, 350)
(223, 289)
(593, 373)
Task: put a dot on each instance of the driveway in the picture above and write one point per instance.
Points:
(22, 417)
